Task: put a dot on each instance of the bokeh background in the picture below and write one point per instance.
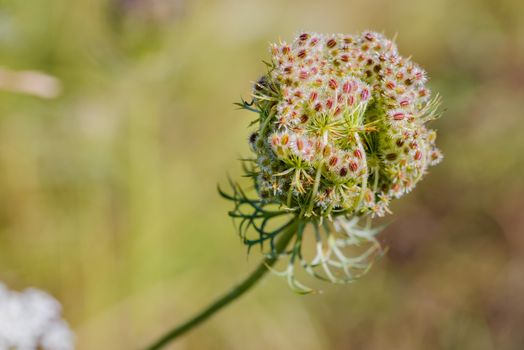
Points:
(108, 174)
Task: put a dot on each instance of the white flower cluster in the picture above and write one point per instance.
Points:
(31, 320)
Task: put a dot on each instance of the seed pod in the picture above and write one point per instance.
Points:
(342, 114)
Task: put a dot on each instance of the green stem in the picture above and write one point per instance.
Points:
(234, 293)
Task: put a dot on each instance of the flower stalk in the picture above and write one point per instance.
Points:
(236, 292)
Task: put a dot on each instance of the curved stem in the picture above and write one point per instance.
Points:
(234, 293)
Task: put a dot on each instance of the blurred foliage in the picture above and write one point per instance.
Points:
(108, 192)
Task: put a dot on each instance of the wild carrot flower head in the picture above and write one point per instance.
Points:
(341, 131)
(342, 127)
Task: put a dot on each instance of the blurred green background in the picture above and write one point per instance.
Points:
(108, 191)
